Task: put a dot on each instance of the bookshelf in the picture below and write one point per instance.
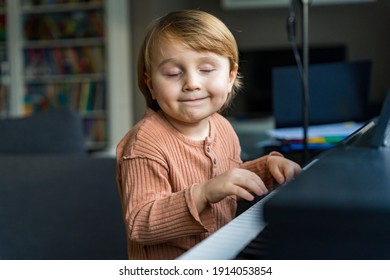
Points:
(71, 54)
(3, 61)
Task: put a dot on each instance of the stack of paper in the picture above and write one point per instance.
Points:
(319, 136)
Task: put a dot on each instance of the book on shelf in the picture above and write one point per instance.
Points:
(74, 93)
(3, 29)
(71, 56)
(64, 25)
(99, 103)
(97, 57)
(3, 98)
(58, 61)
(64, 61)
(96, 24)
(85, 97)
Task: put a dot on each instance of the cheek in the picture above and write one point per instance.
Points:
(221, 86)
(158, 86)
(163, 91)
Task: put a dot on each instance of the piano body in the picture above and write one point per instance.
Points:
(337, 208)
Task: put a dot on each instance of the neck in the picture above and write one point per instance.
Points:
(194, 131)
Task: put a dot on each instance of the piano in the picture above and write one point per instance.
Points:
(337, 208)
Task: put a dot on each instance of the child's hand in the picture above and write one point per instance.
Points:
(239, 182)
(282, 169)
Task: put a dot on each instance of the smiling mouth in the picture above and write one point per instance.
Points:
(193, 100)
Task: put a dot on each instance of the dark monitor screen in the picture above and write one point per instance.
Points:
(338, 92)
(255, 99)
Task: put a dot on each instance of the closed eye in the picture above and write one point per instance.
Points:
(173, 74)
(207, 70)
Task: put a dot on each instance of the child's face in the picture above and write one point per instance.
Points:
(188, 85)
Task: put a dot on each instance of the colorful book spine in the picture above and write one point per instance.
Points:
(64, 61)
(86, 97)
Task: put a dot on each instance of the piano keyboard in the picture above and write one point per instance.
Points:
(228, 242)
(231, 239)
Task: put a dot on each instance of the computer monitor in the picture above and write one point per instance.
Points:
(338, 92)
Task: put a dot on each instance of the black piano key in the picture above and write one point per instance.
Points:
(257, 248)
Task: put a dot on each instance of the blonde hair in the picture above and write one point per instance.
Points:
(197, 30)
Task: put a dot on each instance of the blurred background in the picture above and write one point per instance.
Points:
(82, 55)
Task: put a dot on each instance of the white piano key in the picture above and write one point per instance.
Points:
(230, 240)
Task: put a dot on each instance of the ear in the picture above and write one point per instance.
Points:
(232, 76)
(149, 83)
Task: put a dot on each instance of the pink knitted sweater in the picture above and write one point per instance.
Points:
(157, 168)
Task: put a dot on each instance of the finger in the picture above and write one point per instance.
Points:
(254, 184)
(292, 172)
(243, 194)
(278, 175)
(249, 181)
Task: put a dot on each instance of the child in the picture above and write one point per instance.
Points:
(179, 168)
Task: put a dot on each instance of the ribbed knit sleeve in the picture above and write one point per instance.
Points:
(155, 214)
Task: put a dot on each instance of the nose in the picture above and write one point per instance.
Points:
(191, 82)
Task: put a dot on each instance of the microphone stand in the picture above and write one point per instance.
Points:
(303, 64)
(305, 76)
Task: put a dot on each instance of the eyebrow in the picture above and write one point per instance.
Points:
(203, 58)
(165, 61)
